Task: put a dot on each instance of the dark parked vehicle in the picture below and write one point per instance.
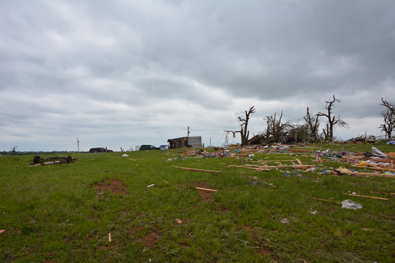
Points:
(148, 147)
(99, 150)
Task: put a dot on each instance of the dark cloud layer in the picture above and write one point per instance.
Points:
(125, 73)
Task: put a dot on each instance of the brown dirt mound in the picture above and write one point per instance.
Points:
(206, 196)
(116, 187)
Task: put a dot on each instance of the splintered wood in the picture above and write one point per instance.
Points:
(266, 168)
(206, 189)
(197, 170)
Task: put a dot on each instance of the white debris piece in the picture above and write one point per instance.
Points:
(349, 204)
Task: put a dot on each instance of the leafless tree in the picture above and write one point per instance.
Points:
(389, 123)
(389, 106)
(275, 128)
(313, 124)
(243, 122)
(333, 120)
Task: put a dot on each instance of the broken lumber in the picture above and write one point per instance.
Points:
(299, 161)
(197, 170)
(376, 168)
(382, 193)
(296, 166)
(322, 199)
(206, 189)
(366, 196)
(263, 168)
(369, 174)
(256, 179)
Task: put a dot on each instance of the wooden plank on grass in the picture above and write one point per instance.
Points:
(322, 199)
(206, 189)
(366, 196)
(296, 166)
(370, 174)
(376, 168)
(197, 170)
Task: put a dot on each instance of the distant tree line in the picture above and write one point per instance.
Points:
(309, 132)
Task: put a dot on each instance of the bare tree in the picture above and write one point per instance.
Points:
(389, 123)
(275, 128)
(389, 106)
(243, 122)
(333, 120)
(313, 124)
(13, 150)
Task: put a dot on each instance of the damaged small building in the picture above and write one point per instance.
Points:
(185, 142)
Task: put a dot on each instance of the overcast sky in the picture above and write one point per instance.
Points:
(127, 73)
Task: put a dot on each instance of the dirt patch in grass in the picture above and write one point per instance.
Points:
(149, 240)
(136, 228)
(116, 187)
(206, 196)
(261, 248)
(246, 228)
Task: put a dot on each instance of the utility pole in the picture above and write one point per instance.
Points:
(78, 144)
(210, 140)
(188, 131)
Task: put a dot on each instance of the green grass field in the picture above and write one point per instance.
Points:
(64, 213)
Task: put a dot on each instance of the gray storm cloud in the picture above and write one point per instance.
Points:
(125, 73)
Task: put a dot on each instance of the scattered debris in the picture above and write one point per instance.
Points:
(165, 181)
(178, 221)
(2, 231)
(367, 229)
(349, 204)
(125, 155)
(313, 212)
(377, 152)
(285, 221)
(150, 185)
(109, 237)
